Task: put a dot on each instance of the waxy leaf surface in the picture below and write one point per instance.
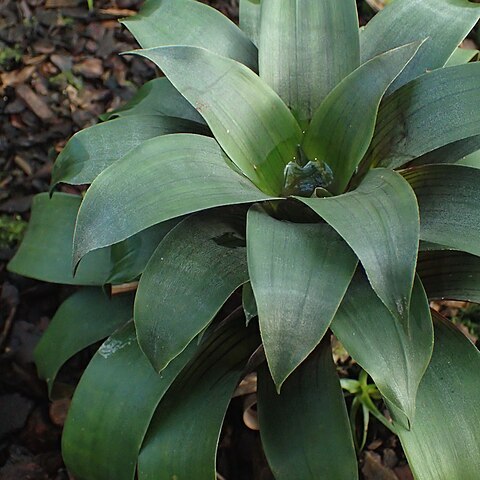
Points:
(249, 13)
(188, 22)
(310, 411)
(433, 111)
(183, 436)
(92, 150)
(343, 126)
(249, 120)
(461, 56)
(157, 97)
(299, 274)
(445, 22)
(455, 152)
(444, 440)
(46, 250)
(112, 406)
(380, 222)
(290, 31)
(449, 205)
(198, 265)
(249, 303)
(395, 355)
(175, 175)
(86, 317)
(131, 256)
(450, 275)
(471, 160)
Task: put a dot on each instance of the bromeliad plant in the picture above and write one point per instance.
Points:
(317, 166)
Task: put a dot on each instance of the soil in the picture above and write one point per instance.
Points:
(59, 70)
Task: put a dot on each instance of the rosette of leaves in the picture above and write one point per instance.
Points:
(319, 167)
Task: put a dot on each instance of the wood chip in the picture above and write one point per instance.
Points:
(374, 470)
(17, 77)
(36, 60)
(124, 288)
(23, 164)
(117, 12)
(89, 68)
(247, 386)
(250, 416)
(35, 102)
(58, 411)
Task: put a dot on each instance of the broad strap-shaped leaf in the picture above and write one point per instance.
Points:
(178, 174)
(249, 303)
(449, 205)
(444, 441)
(454, 152)
(380, 222)
(194, 270)
(112, 407)
(46, 250)
(445, 22)
(394, 354)
(290, 32)
(299, 274)
(450, 275)
(183, 436)
(249, 120)
(249, 13)
(461, 56)
(131, 256)
(434, 110)
(343, 126)
(157, 97)
(188, 22)
(471, 160)
(311, 412)
(86, 317)
(92, 150)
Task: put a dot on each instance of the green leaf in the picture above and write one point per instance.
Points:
(299, 274)
(182, 173)
(450, 275)
(434, 110)
(183, 436)
(157, 97)
(461, 56)
(46, 251)
(186, 22)
(406, 21)
(449, 205)
(92, 150)
(86, 317)
(194, 270)
(394, 354)
(248, 119)
(249, 13)
(444, 441)
(380, 222)
(290, 31)
(454, 152)
(114, 402)
(249, 303)
(343, 126)
(131, 256)
(472, 160)
(309, 412)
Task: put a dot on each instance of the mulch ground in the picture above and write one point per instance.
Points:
(59, 70)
